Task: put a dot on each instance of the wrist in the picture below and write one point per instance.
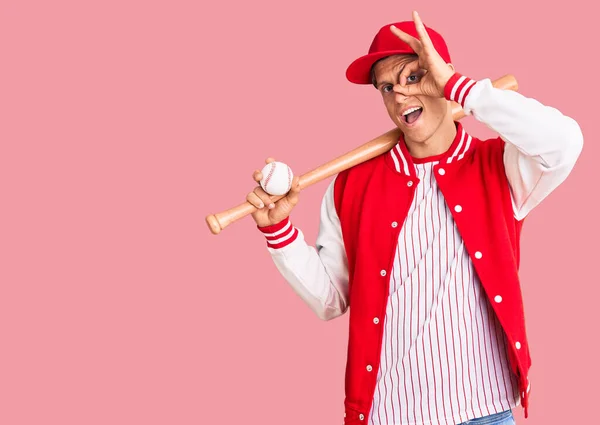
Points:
(444, 78)
(457, 88)
(279, 235)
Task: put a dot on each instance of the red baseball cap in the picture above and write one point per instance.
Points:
(386, 43)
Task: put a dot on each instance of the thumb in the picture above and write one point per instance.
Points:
(294, 192)
(410, 89)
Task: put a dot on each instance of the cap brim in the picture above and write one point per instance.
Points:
(359, 71)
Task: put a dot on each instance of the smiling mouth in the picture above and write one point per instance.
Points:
(411, 117)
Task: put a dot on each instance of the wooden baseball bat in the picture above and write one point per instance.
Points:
(377, 146)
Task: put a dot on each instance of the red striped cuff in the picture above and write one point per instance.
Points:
(458, 88)
(280, 235)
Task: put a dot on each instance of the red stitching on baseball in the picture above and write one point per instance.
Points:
(270, 174)
(289, 177)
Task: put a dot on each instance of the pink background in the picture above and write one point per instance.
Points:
(124, 123)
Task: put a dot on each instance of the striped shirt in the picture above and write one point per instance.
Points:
(443, 358)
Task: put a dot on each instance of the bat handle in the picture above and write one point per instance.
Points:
(213, 224)
(218, 222)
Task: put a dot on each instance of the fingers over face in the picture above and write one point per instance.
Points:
(408, 90)
(407, 38)
(423, 35)
(409, 68)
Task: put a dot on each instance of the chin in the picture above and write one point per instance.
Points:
(416, 135)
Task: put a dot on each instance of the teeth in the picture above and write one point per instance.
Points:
(408, 111)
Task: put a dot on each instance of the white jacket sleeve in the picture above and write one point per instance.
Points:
(318, 275)
(542, 144)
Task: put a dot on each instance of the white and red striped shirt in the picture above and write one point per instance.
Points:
(443, 358)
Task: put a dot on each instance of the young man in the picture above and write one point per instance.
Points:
(422, 242)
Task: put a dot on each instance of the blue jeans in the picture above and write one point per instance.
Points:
(502, 418)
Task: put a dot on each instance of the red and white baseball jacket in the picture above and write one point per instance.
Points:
(494, 183)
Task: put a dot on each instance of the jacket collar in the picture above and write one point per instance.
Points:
(403, 162)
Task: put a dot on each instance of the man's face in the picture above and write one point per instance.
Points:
(420, 125)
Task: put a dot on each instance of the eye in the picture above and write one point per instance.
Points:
(386, 88)
(413, 78)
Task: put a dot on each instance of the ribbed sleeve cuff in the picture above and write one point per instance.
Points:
(280, 235)
(458, 88)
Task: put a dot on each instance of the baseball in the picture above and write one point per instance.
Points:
(277, 178)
